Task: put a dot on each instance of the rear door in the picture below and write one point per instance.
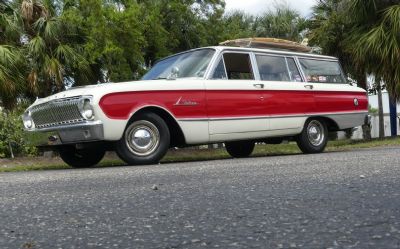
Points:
(286, 95)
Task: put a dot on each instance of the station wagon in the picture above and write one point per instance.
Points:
(232, 95)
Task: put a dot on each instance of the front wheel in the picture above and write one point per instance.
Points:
(314, 137)
(240, 149)
(146, 140)
(81, 158)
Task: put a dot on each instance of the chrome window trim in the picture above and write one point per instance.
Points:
(219, 57)
(303, 75)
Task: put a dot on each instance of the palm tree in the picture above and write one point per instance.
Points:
(52, 57)
(364, 34)
(12, 63)
(283, 23)
(375, 42)
(375, 33)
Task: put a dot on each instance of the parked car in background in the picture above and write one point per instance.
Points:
(235, 95)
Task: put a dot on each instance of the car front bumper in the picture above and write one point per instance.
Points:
(74, 134)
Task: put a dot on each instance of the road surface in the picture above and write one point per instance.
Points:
(330, 200)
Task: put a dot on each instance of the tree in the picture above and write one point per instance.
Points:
(12, 62)
(282, 22)
(328, 29)
(236, 25)
(376, 32)
(364, 35)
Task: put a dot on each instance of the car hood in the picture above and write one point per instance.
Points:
(99, 90)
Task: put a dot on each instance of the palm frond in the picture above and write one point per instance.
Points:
(11, 73)
(31, 10)
(67, 54)
(391, 18)
(39, 24)
(27, 10)
(32, 81)
(36, 47)
(54, 71)
(52, 30)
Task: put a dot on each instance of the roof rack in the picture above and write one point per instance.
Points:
(267, 43)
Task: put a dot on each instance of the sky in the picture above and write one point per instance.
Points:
(257, 7)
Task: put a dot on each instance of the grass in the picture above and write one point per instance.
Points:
(191, 154)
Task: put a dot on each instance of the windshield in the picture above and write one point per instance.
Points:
(186, 65)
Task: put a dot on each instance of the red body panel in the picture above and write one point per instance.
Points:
(233, 103)
(243, 103)
(122, 105)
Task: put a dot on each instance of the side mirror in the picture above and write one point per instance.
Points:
(174, 74)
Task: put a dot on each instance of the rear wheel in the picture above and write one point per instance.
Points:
(240, 149)
(81, 158)
(314, 137)
(146, 140)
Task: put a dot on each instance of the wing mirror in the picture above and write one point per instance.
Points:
(174, 74)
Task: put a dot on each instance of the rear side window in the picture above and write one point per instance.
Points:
(319, 71)
(275, 68)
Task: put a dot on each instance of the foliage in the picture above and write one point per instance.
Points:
(372, 110)
(12, 134)
(364, 34)
(12, 63)
(375, 39)
(328, 29)
(282, 23)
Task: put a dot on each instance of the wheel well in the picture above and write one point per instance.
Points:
(330, 123)
(177, 137)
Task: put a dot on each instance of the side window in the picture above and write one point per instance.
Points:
(219, 72)
(294, 73)
(238, 66)
(319, 71)
(272, 68)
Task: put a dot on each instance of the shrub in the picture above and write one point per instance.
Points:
(12, 134)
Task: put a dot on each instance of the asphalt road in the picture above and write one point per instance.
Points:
(330, 200)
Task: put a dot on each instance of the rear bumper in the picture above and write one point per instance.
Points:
(349, 120)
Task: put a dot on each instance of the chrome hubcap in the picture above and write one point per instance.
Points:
(316, 133)
(142, 138)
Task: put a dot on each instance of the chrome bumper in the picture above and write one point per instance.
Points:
(82, 133)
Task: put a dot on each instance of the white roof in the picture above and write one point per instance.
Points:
(272, 51)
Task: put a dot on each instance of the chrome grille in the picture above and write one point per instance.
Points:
(57, 112)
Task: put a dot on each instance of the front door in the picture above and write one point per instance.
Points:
(235, 100)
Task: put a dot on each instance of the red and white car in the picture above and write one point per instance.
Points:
(238, 96)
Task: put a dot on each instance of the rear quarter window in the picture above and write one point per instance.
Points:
(321, 71)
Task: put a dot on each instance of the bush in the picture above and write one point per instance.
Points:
(12, 134)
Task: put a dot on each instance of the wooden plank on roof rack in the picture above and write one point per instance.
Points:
(267, 43)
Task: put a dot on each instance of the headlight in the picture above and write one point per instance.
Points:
(86, 109)
(27, 119)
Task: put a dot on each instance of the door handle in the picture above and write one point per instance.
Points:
(260, 86)
(309, 87)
